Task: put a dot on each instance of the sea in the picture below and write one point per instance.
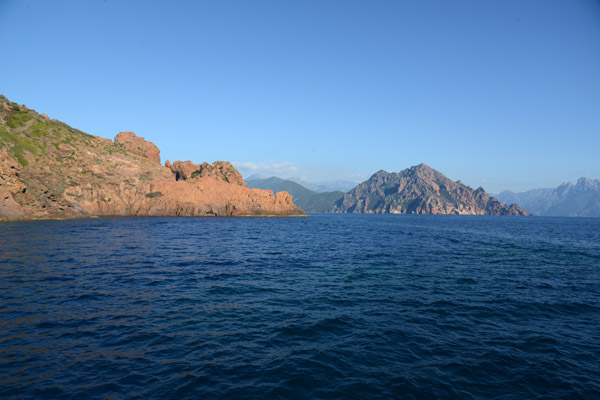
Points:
(333, 306)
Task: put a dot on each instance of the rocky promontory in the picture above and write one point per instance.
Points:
(51, 170)
(420, 190)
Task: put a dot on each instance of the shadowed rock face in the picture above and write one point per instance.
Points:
(420, 190)
(51, 170)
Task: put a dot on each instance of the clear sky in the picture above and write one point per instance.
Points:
(500, 94)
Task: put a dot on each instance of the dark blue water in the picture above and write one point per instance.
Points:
(332, 306)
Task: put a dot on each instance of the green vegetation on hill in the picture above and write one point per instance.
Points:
(51, 157)
(306, 199)
(28, 136)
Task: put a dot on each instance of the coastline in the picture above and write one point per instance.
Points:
(2, 221)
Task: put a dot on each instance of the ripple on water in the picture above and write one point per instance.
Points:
(333, 306)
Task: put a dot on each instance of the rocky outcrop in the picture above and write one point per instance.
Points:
(139, 146)
(219, 170)
(50, 170)
(182, 169)
(420, 190)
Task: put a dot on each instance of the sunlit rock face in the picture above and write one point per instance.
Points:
(51, 170)
(420, 190)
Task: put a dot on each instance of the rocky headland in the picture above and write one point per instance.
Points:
(420, 190)
(51, 170)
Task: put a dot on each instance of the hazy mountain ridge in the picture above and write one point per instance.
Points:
(338, 185)
(581, 199)
(420, 190)
(308, 200)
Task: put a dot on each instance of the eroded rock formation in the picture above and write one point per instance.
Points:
(219, 170)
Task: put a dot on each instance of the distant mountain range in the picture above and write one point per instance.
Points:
(306, 199)
(338, 185)
(570, 200)
(416, 190)
(328, 186)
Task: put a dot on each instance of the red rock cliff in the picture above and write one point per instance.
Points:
(50, 170)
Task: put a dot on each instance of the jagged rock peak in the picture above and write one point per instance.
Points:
(587, 184)
(423, 166)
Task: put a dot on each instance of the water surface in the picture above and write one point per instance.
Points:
(332, 306)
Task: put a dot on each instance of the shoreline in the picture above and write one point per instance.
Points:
(2, 221)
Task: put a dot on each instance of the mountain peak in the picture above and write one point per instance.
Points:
(420, 190)
(587, 184)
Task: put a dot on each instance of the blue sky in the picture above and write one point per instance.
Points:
(499, 94)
